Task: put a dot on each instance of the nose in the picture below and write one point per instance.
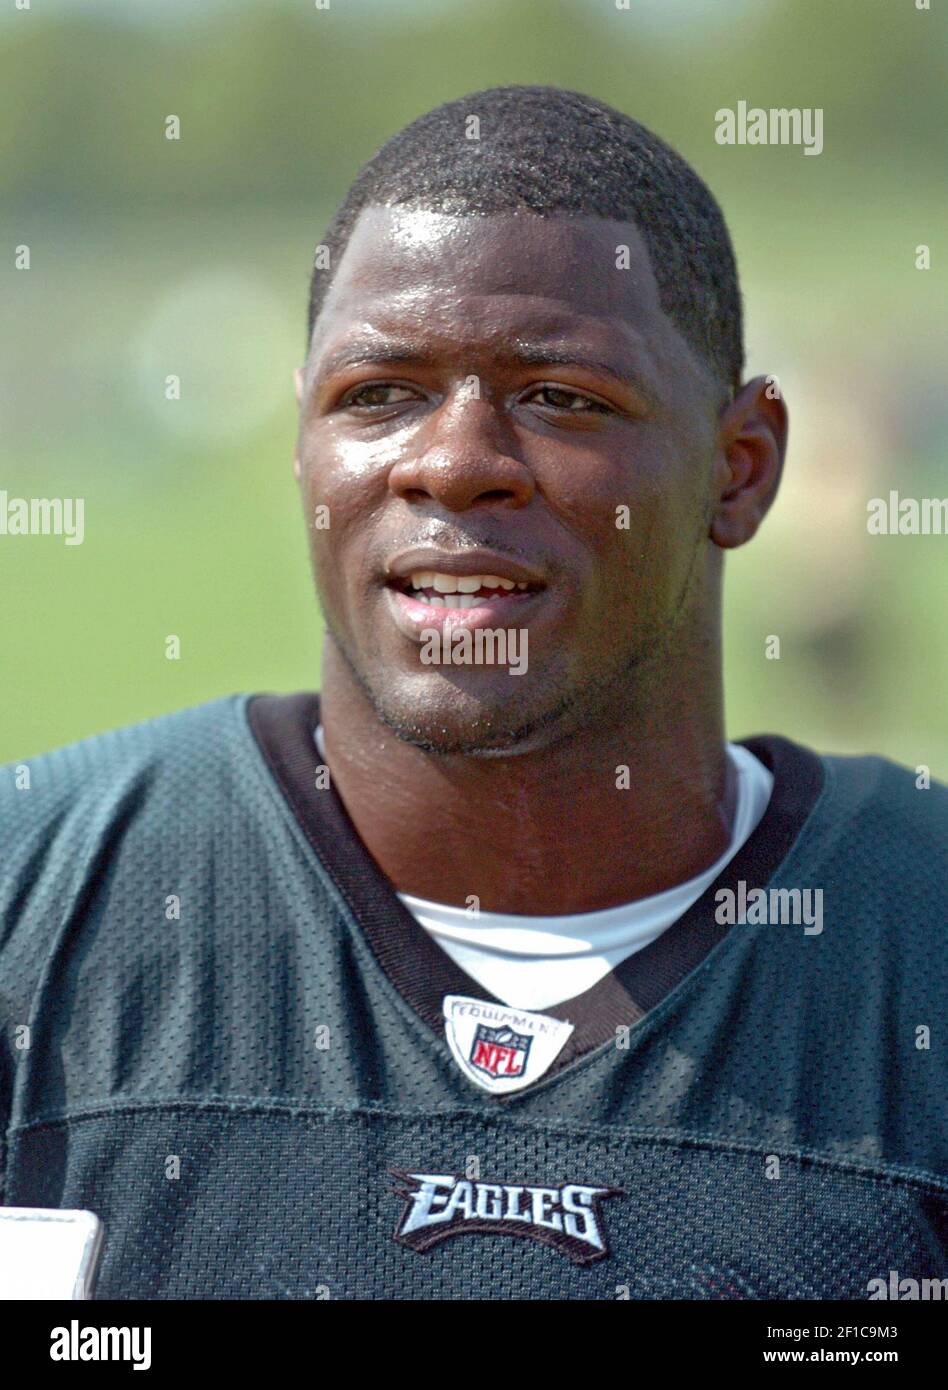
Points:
(464, 456)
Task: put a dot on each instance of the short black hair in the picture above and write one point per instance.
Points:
(546, 150)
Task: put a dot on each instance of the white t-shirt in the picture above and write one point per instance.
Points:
(536, 962)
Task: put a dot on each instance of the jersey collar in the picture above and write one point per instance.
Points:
(284, 728)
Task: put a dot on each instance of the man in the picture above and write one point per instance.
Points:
(493, 971)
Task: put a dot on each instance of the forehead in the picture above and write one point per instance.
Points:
(471, 281)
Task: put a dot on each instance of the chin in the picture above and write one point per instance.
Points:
(446, 719)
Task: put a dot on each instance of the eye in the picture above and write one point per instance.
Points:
(375, 394)
(563, 398)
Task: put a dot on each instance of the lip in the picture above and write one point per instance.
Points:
(414, 618)
(459, 562)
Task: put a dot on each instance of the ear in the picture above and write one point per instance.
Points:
(298, 384)
(751, 444)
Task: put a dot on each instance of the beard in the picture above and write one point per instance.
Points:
(635, 670)
(450, 720)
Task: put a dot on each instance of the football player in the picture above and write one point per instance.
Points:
(492, 968)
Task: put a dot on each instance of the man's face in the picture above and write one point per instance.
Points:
(501, 384)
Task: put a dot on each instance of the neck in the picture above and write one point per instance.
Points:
(548, 831)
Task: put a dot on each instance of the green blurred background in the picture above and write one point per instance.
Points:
(151, 257)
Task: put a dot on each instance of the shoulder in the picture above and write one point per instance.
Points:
(853, 812)
(871, 837)
(876, 846)
(66, 816)
(865, 799)
(100, 775)
(886, 809)
(846, 975)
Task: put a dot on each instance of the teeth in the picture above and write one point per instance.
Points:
(459, 583)
(450, 600)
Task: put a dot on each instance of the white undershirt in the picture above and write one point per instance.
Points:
(535, 962)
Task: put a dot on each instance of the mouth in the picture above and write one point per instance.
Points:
(424, 599)
(450, 592)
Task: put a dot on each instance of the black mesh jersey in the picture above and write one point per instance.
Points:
(221, 1031)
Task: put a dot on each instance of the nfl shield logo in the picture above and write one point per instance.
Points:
(500, 1051)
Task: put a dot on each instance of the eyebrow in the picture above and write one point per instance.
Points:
(407, 354)
(553, 357)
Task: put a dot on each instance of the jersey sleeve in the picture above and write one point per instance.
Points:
(82, 829)
(41, 809)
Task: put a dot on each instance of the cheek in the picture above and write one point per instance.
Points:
(342, 493)
(347, 476)
(639, 516)
(608, 503)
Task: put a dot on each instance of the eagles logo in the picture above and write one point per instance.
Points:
(438, 1205)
